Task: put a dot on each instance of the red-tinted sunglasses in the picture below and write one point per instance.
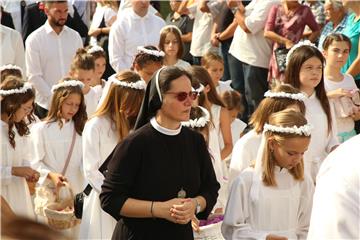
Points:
(182, 96)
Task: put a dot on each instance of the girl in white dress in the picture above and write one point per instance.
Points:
(83, 69)
(274, 199)
(171, 43)
(280, 97)
(99, 56)
(111, 123)
(17, 100)
(304, 70)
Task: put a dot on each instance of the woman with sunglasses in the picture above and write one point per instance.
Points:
(161, 175)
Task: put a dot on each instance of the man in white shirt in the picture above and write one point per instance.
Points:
(49, 52)
(135, 27)
(250, 50)
(336, 209)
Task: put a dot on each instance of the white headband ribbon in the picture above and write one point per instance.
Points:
(199, 89)
(9, 67)
(295, 96)
(94, 49)
(23, 89)
(304, 130)
(171, 26)
(299, 44)
(68, 83)
(155, 53)
(140, 85)
(198, 122)
(157, 83)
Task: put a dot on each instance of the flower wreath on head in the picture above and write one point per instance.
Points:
(199, 89)
(94, 49)
(155, 53)
(139, 85)
(23, 89)
(9, 67)
(198, 122)
(299, 44)
(294, 96)
(304, 130)
(67, 83)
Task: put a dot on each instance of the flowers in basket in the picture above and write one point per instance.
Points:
(212, 220)
(210, 229)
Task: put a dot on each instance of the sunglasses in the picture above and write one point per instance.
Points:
(182, 96)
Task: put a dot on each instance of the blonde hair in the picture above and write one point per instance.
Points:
(122, 104)
(285, 118)
(210, 57)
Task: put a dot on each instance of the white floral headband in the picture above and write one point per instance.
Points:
(302, 130)
(94, 49)
(155, 53)
(23, 89)
(9, 67)
(198, 122)
(68, 83)
(140, 85)
(299, 44)
(295, 96)
(171, 26)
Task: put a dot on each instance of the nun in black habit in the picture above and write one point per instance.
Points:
(161, 175)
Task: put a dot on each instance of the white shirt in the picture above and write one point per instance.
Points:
(253, 48)
(348, 83)
(336, 209)
(129, 32)
(48, 57)
(101, 12)
(11, 48)
(92, 99)
(237, 128)
(182, 64)
(126, 4)
(13, 7)
(283, 210)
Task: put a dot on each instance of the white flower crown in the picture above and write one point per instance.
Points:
(171, 26)
(11, 66)
(302, 130)
(68, 83)
(299, 44)
(295, 96)
(198, 122)
(140, 85)
(23, 89)
(199, 89)
(94, 49)
(155, 53)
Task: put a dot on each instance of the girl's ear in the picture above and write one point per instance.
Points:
(324, 53)
(271, 144)
(136, 67)
(207, 88)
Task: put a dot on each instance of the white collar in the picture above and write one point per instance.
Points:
(163, 130)
(135, 16)
(49, 29)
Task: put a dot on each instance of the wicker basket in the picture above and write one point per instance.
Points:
(209, 232)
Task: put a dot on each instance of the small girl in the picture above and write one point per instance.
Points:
(305, 71)
(340, 87)
(282, 96)
(83, 68)
(99, 56)
(17, 99)
(111, 123)
(214, 64)
(9, 69)
(274, 199)
(171, 43)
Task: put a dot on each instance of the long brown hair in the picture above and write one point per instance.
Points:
(269, 106)
(292, 76)
(175, 31)
(57, 100)
(285, 118)
(11, 103)
(122, 104)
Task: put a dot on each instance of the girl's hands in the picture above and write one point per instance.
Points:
(28, 173)
(57, 179)
(340, 92)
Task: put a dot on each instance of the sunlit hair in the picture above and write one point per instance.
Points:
(170, 29)
(10, 72)
(292, 76)
(97, 54)
(82, 60)
(142, 58)
(285, 118)
(269, 106)
(335, 37)
(210, 57)
(232, 100)
(122, 104)
(57, 100)
(110, 3)
(11, 103)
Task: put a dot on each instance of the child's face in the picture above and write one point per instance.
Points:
(24, 110)
(70, 106)
(289, 153)
(85, 76)
(216, 71)
(148, 70)
(310, 74)
(100, 66)
(171, 45)
(337, 54)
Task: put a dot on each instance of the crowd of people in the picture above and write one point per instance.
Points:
(246, 111)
